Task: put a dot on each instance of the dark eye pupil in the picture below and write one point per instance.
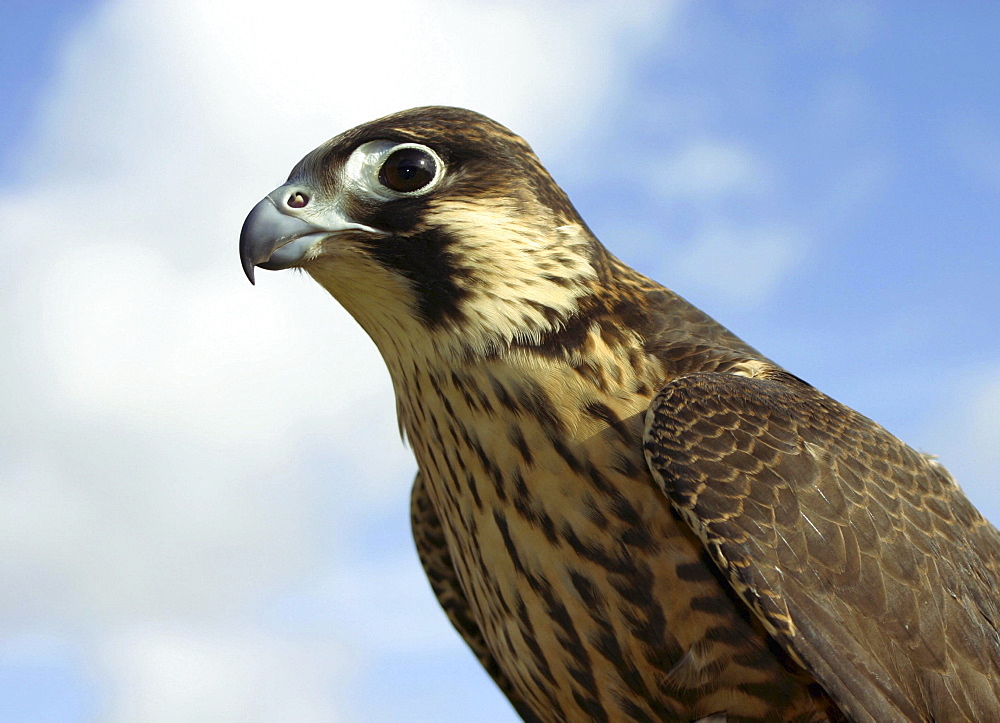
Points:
(408, 169)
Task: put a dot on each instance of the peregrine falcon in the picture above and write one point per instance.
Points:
(627, 512)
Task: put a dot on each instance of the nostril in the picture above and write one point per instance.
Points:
(297, 200)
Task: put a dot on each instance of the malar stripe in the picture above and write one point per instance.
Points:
(426, 260)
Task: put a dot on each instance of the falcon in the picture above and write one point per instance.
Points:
(627, 512)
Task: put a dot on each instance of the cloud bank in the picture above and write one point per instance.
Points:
(195, 464)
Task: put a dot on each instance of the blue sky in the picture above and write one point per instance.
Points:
(203, 501)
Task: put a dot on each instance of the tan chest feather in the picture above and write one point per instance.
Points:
(591, 595)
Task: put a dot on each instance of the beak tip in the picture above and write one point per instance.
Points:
(248, 269)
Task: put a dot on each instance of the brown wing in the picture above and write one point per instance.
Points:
(862, 557)
(432, 548)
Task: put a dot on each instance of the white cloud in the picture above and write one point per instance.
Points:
(966, 435)
(168, 674)
(984, 425)
(737, 265)
(737, 262)
(255, 85)
(173, 437)
(708, 168)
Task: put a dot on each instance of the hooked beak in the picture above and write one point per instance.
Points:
(275, 237)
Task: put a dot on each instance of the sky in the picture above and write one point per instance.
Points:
(203, 495)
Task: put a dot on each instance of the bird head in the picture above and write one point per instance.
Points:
(433, 227)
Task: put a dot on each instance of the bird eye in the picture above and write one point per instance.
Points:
(407, 170)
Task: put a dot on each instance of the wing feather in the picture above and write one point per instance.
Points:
(861, 556)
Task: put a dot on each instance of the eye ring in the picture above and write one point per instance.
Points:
(409, 169)
(366, 174)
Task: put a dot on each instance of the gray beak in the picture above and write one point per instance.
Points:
(271, 239)
(275, 236)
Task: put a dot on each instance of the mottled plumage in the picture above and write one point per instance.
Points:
(626, 511)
